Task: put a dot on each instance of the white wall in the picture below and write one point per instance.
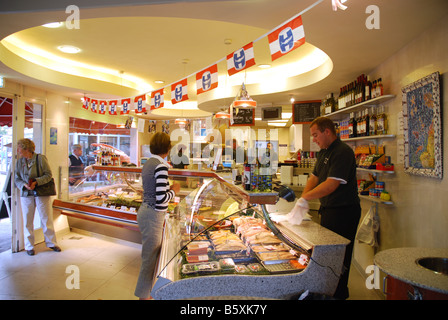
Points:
(419, 217)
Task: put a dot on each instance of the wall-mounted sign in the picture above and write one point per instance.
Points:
(305, 111)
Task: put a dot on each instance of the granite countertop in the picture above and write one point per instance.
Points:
(400, 263)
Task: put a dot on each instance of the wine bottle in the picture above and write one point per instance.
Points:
(368, 89)
(374, 89)
(379, 88)
(366, 123)
(372, 123)
(352, 126)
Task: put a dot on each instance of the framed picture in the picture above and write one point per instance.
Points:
(53, 135)
(423, 127)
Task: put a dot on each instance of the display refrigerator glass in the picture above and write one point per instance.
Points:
(220, 229)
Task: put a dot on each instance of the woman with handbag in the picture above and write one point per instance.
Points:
(34, 180)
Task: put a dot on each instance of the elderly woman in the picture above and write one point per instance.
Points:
(156, 195)
(26, 179)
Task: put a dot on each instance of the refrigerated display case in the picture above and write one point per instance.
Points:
(218, 238)
(222, 243)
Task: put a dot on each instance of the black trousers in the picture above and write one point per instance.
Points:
(343, 221)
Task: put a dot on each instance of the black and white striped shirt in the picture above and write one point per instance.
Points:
(156, 187)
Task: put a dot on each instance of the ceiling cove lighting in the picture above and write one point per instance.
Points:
(53, 25)
(69, 49)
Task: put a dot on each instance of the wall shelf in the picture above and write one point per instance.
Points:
(376, 200)
(357, 107)
(384, 136)
(375, 171)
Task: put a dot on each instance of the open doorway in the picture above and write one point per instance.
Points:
(6, 138)
(32, 129)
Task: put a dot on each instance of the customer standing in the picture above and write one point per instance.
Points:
(26, 179)
(76, 165)
(151, 215)
(333, 181)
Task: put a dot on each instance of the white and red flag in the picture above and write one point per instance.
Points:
(126, 105)
(286, 38)
(207, 79)
(241, 59)
(140, 103)
(102, 107)
(93, 105)
(113, 107)
(157, 99)
(86, 103)
(179, 91)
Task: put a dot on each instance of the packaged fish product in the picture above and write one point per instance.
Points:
(203, 267)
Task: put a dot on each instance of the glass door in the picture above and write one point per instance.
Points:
(33, 124)
(33, 131)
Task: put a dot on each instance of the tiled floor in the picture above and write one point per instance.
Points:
(108, 270)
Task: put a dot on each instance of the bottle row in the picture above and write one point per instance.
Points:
(306, 159)
(369, 122)
(358, 91)
(108, 158)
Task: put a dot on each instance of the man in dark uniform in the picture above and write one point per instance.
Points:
(333, 181)
(76, 165)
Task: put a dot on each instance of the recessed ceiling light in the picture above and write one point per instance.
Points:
(277, 124)
(159, 81)
(264, 66)
(69, 49)
(53, 25)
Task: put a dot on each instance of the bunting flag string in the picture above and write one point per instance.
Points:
(241, 59)
(157, 99)
(102, 107)
(288, 37)
(179, 91)
(207, 79)
(125, 105)
(282, 39)
(113, 107)
(140, 103)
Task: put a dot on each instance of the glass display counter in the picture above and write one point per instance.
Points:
(218, 239)
(220, 242)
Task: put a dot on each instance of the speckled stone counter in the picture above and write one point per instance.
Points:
(400, 263)
(320, 276)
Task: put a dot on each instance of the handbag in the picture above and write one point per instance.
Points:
(47, 189)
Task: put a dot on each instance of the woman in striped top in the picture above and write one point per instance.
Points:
(157, 193)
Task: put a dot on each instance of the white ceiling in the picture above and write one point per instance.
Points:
(168, 40)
